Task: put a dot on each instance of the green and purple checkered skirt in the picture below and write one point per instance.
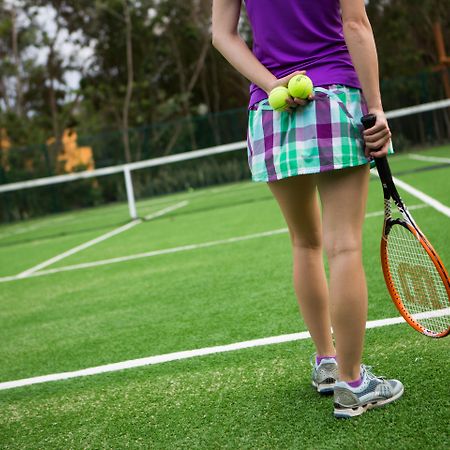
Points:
(324, 135)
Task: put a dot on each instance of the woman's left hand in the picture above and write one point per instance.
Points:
(292, 102)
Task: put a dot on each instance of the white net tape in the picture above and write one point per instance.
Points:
(416, 279)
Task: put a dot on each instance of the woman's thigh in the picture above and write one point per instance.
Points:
(343, 194)
(298, 201)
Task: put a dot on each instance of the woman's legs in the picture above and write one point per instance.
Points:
(297, 198)
(343, 196)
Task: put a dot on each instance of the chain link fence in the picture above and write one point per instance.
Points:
(106, 148)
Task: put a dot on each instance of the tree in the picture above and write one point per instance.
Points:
(404, 33)
(16, 37)
(130, 76)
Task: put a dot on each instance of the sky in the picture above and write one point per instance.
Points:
(65, 43)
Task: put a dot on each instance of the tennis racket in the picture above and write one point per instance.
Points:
(415, 275)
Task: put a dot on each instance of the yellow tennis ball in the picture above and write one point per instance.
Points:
(278, 97)
(300, 86)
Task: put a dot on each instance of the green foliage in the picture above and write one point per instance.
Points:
(404, 34)
(177, 75)
(167, 39)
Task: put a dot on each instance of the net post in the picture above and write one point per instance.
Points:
(130, 192)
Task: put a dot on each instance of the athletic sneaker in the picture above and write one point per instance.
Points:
(372, 393)
(324, 375)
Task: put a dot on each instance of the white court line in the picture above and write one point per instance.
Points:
(437, 159)
(381, 213)
(420, 195)
(97, 240)
(424, 197)
(146, 255)
(202, 192)
(158, 359)
(164, 211)
(168, 251)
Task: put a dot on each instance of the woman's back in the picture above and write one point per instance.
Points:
(291, 35)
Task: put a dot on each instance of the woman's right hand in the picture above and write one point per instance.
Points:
(378, 137)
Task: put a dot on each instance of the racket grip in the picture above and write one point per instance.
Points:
(382, 164)
(368, 121)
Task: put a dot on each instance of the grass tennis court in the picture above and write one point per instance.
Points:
(189, 283)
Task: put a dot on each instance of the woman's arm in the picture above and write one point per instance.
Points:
(361, 45)
(226, 39)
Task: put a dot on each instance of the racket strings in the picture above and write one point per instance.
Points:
(417, 280)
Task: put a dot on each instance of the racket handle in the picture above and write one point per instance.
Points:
(368, 121)
(384, 171)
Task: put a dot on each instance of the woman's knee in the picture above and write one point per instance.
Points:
(306, 241)
(342, 247)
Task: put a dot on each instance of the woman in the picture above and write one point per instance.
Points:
(317, 145)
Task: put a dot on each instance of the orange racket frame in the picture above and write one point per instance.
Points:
(390, 191)
(391, 285)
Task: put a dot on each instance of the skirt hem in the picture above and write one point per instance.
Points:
(302, 171)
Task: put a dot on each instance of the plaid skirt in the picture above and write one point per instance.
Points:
(324, 135)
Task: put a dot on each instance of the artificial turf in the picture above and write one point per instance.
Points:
(230, 292)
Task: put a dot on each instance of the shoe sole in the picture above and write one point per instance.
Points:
(323, 388)
(348, 413)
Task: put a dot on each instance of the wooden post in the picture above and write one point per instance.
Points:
(444, 60)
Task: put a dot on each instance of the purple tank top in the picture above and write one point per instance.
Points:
(291, 35)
